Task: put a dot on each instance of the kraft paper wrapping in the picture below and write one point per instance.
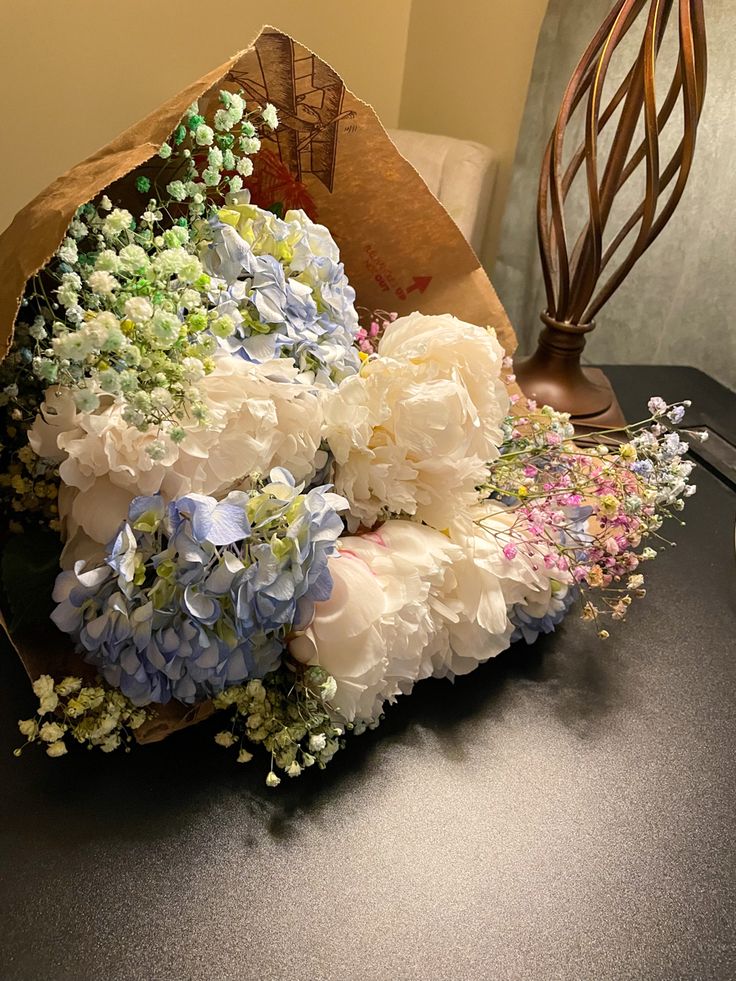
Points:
(329, 156)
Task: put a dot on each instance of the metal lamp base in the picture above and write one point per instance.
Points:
(554, 376)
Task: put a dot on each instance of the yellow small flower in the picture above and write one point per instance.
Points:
(628, 453)
(609, 505)
(20, 485)
(522, 491)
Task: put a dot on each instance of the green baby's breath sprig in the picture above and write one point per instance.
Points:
(289, 714)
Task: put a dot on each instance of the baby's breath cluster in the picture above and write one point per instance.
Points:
(92, 715)
(126, 309)
(289, 714)
(586, 511)
(207, 156)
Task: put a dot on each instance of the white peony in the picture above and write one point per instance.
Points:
(382, 616)
(258, 418)
(403, 608)
(412, 433)
(487, 585)
(345, 637)
(409, 602)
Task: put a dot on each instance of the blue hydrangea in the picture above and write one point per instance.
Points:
(528, 627)
(201, 594)
(281, 283)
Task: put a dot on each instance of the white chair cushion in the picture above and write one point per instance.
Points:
(460, 174)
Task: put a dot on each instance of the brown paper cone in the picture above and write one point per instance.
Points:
(331, 156)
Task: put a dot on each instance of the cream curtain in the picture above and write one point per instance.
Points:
(678, 305)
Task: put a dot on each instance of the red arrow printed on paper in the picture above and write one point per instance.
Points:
(420, 284)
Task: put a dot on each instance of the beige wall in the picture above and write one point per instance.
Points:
(75, 73)
(467, 74)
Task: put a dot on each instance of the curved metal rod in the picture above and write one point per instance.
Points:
(693, 95)
(572, 278)
(552, 243)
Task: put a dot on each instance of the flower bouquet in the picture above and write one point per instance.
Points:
(243, 474)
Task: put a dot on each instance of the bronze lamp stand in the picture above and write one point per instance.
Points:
(580, 276)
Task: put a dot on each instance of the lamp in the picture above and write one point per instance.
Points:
(582, 274)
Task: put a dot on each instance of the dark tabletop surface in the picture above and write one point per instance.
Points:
(565, 812)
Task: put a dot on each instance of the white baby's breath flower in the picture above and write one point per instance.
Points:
(37, 330)
(317, 742)
(236, 106)
(108, 261)
(272, 780)
(133, 258)
(67, 251)
(118, 221)
(71, 281)
(43, 686)
(193, 370)
(164, 151)
(329, 689)
(250, 144)
(138, 309)
(190, 299)
(215, 157)
(245, 166)
(211, 176)
(244, 756)
(270, 116)
(28, 728)
(177, 190)
(56, 749)
(109, 381)
(68, 686)
(67, 296)
(293, 769)
(203, 135)
(78, 229)
(50, 732)
(226, 739)
(224, 121)
(103, 283)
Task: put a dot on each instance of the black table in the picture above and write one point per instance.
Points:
(566, 812)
